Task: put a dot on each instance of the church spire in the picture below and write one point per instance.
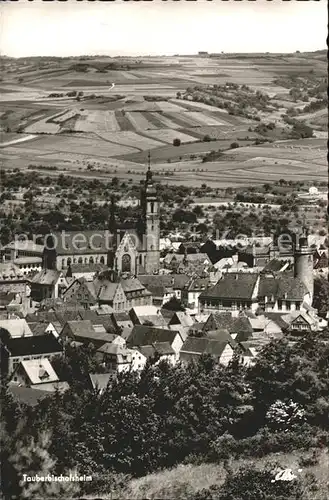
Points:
(149, 172)
(112, 222)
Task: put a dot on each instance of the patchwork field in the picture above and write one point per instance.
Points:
(128, 106)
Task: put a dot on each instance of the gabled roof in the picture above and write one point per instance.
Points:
(132, 285)
(142, 335)
(38, 328)
(27, 395)
(83, 242)
(162, 348)
(225, 321)
(231, 285)
(39, 371)
(283, 286)
(197, 283)
(16, 327)
(87, 268)
(105, 290)
(84, 329)
(100, 380)
(9, 271)
(26, 346)
(221, 335)
(203, 345)
(27, 245)
(6, 298)
(256, 250)
(175, 281)
(46, 277)
(110, 348)
(294, 315)
(275, 265)
(182, 318)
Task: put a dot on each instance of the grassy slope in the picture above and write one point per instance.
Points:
(185, 480)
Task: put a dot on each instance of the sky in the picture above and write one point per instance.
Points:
(73, 28)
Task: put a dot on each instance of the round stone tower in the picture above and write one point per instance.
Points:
(303, 264)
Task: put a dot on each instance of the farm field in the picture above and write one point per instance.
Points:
(113, 127)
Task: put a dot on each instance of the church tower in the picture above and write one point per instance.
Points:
(150, 208)
(303, 263)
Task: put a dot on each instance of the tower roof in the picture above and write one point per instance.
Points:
(149, 173)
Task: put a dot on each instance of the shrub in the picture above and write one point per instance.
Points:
(176, 142)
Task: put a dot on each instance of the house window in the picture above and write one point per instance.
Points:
(297, 306)
(280, 304)
(288, 305)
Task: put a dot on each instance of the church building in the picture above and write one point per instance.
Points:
(133, 250)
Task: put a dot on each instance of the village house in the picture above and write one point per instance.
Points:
(15, 350)
(142, 335)
(17, 327)
(100, 381)
(118, 292)
(192, 290)
(86, 271)
(271, 292)
(150, 315)
(37, 374)
(118, 358)
(12, 279)
(25, 254)
(164, 286)
(194, 347)
(47, 284)
(83, 332)
(121, 321)
(159, 351)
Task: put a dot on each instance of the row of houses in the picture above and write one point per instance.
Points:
(125, 341)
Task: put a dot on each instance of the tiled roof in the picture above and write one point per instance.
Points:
(9, 271)
(105, 289)
(162, 348)
(225, 321)
(87, 268)
(46, 277)
(6, 298)
(27, 245)
(28, 260)
(183, 318)
(16, 327)
(85, 329)
(231, 285)
(175, 281)
(283, 286)
(198, 284)
(27, 395)
(26, 346)
(142, 335)
(275, 265)
(39, 370)
(203, 345)
(100, 380)
(38, 328)
(255, 250)
(132, 285)
(221, 335)
(83, 242)
(110, 348)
